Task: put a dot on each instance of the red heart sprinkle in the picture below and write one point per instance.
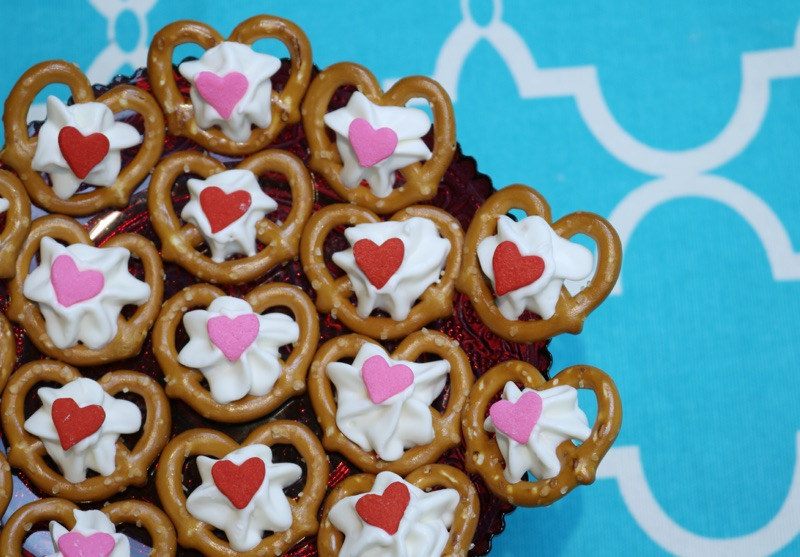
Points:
(512, 270)
(385, 511)
(379, 262)
(239, 482)
(74, 423)
(222, 208)
(82, 152)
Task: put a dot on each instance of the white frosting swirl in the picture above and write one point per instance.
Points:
(88, 118)
(92, 321)
(88, 523)
(267, 510)
(409, 125)
(562, 260)
(238, 203)
(402, 420)
(422, 531)
(561, 418)
(235, 89)
(423, 259)
(258, 365)
(98, 450)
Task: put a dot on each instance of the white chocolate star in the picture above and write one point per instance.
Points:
(560, 419)
(397, 423)
(562, 260)
(92, 321)
(258, 367)
(424, 256)
(268, 510)
(423, 530)
(237, 90)
(239, 188)
(409, 125)
(88, 118)
(97, 451)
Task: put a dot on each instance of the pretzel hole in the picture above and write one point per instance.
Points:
(285, 452)
(3, 218)
(37, 113)
(276, 185)
(334, 242)
(38, 541)
(130, 439)
(271, 46)
(516, 214)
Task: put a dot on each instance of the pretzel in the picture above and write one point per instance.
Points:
(8, 350)
(27, 452)
(333, 295)
(446, 425)
(195, 534)
(6, 486)
(18, 221)
(180, 243)
(138, 513)
(131, 333)
(187, 383)
(578, 463)
(465, 520)
(20, 148)
(179, 110)
(571, 311)
(421, 178)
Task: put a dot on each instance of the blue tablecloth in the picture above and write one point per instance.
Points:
(679, 122)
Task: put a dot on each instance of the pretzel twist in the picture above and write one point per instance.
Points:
(138, 513)
(18, 221)
(179, 243)
(578, 462)
(571, 311)
(28, 453)
(179, 110)
(8, 350)
(333, 295)
(446, 426)
(186, 383)
(131, 333)
(195, 534)
(465, 517)
(20, 148)
(421, 178)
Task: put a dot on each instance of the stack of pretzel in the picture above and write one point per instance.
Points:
(265, 309)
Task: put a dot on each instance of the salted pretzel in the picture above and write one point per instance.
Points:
(446, 425)
(8, 350)
(187, 384)
(285, 105)
(432, 476)
(20, 148)
(17, 221)
(28, 453)
(131, 332)
(578, 462)
(570, 311)
(6, 485)
(421, 179)
(193, 533)
(333, 295)
(136, 513)
(180, 242)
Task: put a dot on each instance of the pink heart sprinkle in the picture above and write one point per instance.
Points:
(70, 284)
(233, 336)
(384, 381)
(74, 544)
(222, 92)
(517, 419)
(371, 145)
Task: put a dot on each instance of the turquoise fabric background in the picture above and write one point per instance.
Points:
(679, 122)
